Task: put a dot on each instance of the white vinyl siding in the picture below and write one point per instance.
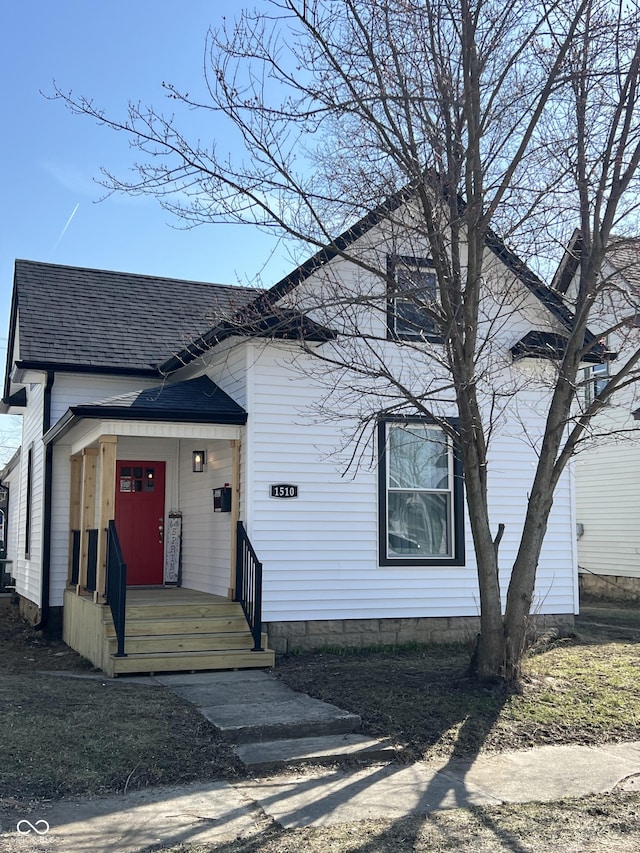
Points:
(229, 367)
(608, 502)
(26, 571)
(73, 389)
(320, 550)
(206, 535)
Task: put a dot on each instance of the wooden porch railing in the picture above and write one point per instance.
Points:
(116, 586)
(249, 585)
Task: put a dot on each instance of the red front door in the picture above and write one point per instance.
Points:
(139, 512)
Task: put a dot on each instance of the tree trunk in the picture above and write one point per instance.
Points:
(517, 619)
(489, 656)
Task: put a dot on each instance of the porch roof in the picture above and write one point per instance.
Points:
(197, 400)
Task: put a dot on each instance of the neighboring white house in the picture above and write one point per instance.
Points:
(607, 470)
(140, 398)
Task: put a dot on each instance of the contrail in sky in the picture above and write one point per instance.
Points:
(68, 223)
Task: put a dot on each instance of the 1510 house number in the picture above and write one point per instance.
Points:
(283, 490)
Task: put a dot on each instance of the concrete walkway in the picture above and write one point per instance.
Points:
(212, 813)
(220, 811)
(273, 726)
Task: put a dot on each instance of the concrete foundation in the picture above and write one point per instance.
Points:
(613, 587)
(31, 613)
(363, 633)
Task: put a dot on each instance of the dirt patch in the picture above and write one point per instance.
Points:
(65, 736)
(26, 650)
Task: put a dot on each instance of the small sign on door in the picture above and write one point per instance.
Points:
(173, 556)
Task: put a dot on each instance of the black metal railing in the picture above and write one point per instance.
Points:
(92, 560)
(249, 585)
(116, 586)
(75, 556)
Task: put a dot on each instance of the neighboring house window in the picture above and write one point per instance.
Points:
(27, 526)
(412, 290)
(420, 495)
(596, 377)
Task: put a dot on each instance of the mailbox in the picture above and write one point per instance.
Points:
(222, 499)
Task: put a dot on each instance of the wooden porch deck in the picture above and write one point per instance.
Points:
(160, 596)
(166, 630)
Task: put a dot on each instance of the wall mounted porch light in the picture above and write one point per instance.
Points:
(198, 459)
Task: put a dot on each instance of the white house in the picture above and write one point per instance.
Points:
(606, 471)
(207, 444)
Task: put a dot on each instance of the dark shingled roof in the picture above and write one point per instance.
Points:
(277, 324)
(193, 401)
(539, 344)
(72, 316)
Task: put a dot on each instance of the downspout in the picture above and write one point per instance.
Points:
(46, 511)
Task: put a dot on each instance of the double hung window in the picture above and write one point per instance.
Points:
(421, 499)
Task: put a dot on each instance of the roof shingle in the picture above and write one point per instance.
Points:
(99, 318)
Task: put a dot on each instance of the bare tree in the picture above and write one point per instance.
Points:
(9, 438)
(467, 116)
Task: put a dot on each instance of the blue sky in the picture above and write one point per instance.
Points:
(112, 52)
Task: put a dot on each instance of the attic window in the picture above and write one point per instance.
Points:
(411, 294)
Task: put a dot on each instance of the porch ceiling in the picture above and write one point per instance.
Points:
(77, 439)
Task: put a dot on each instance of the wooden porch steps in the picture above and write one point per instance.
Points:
(192, 661)
(162, 643)
(178, 630)
(179, 624)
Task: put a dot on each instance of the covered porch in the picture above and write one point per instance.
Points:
(160, 575)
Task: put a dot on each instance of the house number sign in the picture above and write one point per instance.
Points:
(283, 490)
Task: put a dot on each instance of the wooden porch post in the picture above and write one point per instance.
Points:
(75, 495)
(235, 512)
(87, 511)
(106, 507)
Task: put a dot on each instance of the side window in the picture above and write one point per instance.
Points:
(595, 378)
(421, 497)
(411, 292)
